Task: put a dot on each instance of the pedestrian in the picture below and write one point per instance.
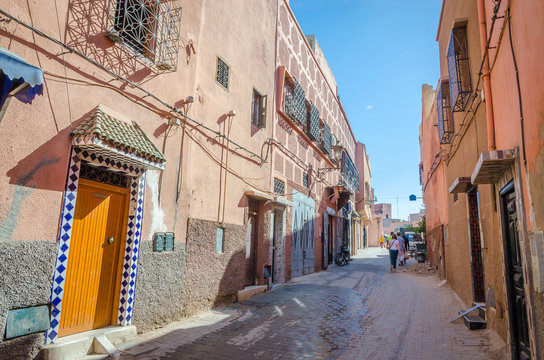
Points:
(402, 250)
(389, 239)
(393, 251)
(406, 246)
(381, 241)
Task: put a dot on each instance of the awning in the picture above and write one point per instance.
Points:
(460, 185)
(256, 194)
(18, 78)
(492, 165)
(108, 141)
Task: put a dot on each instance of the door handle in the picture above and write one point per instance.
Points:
(111, 240)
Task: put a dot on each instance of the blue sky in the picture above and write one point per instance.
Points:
(381, 52)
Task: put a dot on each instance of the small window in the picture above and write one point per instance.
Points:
(445, 116)
(305, 180)
(459, 69)
(279, 187)
(258, 110)
(219, 236)
(222, 73)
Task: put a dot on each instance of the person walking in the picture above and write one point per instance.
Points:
(389, 239)
(393, 251)
(402, 250)
(406, 246)
(381, 241)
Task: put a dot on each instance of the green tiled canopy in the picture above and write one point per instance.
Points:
(119, 134)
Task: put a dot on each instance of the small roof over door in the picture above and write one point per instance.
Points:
(125, 145)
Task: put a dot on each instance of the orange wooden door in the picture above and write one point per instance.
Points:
(92, 277)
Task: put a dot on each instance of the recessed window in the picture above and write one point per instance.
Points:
(279, 187)
(258, 110)
(222, 76)
(305, 180)
(445, 116)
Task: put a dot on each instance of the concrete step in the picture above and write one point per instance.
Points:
(100, 341)
(251, 291)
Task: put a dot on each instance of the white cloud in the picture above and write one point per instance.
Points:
(368, 107)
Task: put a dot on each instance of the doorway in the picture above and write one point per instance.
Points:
(478, 288)
(92, 282)
(517, 307)
(251, 242)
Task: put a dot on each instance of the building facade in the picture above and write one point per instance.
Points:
(157, 159)
(489, 104)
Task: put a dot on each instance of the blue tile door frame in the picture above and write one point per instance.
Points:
(133, 239)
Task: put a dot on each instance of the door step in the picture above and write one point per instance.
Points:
(99, 343)
(473, 322)
(251, 291)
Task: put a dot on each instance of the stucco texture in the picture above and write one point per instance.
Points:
(159, 286)
(212, 278)
(26, 268)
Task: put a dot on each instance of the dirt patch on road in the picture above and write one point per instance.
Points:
(423, 269)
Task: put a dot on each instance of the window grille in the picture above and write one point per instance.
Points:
(258, 110)
(349, 172)
(445, 116)
(103, 175)
(279, 187)
(325, 138)
(421, 174)
(295, 102)
(459, 69)
(222, 73)
(312, 121)
(150, 27)
(305, 181)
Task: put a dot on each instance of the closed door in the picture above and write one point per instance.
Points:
(297, 248)
(325, 240)
(303, 235)
(251, 243)
(92, 276)
(514, 276)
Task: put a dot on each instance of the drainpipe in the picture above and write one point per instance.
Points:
(487, 82)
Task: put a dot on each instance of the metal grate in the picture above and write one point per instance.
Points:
(445, 116)
(325, 138)
(295, 102)
(305, 182)
(459, 69)
(150, 27)
(279, 187)
(103, 175)
(313, 122)
(222, 73)
(349, 173)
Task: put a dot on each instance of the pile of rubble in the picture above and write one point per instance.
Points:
(424, 269)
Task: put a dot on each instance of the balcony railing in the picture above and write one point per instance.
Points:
(459, 69)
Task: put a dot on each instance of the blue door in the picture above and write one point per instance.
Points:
(303, 244)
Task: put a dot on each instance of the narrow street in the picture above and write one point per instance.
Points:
(360, 311)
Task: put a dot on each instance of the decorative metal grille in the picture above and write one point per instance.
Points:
(222, 73)
(459, 69)
(445, 116)
(279, 187)
(295, 102)
(305, 179)
(150, 27)
(313, 122)
(325, 138)
(103, 175)
(349, 173)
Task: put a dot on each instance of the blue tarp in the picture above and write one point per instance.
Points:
(14, 71)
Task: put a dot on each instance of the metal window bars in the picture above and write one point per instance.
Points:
(444, 114)
(313, 129)
(459, 69)
(295, 102)
(149, 27)
(222, 76)
(305, 179)
(325, 138)
(349, 172)
(279, 187)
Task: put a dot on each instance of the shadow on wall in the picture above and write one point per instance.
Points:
(86, 26)
(212, 278)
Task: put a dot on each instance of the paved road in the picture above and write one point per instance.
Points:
(360, 311)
